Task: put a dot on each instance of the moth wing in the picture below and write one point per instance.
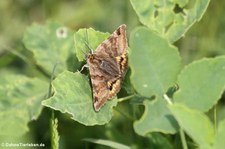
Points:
(115, 45)
(104, 86)
(108, 66)
(102, 94)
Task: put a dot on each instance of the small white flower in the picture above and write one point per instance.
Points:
(62, 32)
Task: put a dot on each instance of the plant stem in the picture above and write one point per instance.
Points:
(167, 99)
(52, 119)
(125, 115)
(183, 139)
(16, 53)
(215, 119)
(125, 98)
(50, 83)
(51, 128)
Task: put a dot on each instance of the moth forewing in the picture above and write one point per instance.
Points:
(107, 67)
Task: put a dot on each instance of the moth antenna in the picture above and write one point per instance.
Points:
(86, 42)
(90, 49)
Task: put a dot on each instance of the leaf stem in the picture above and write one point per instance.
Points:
(50, 83)
(125, 98)
(215, 118)
(167, 99)
(125, 115)
(51, 128)
(16, 53)
(52, 119)
(25, 59)
(183, 139)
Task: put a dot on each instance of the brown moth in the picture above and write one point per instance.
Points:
(107, 66)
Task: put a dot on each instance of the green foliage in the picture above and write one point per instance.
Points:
(72, 94)
(156, 118)
(196, 124)
(171, 19)
(201, 83)
(159, 96)
(152, 52)
(107, 143)
(20, 102)
(55, 134)
(51, 44)
(220, 134)
(85, 39)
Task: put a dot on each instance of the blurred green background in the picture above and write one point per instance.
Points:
(204, 39)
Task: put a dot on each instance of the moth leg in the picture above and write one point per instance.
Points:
(89, 48)
(85, 66)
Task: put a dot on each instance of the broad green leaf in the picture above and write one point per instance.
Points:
(156, 118)
(154, 62)
(20, 102)
(85, 39)
(51, 44)
(220, 135)
(195, 123)
(108, 143)
(201, 83)
(171, 19)
(73, 95)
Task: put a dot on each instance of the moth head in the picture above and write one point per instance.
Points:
(87, 49)
(87, 54)
(90, 57)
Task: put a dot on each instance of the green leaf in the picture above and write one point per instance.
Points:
(85, 39)
(171, 19)
(73, 95)
(195, 123)
(107, 143)
(51, 44)
(201, 83)
(154, 63)
(20, 102)
(156, 118)
(220, 135)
